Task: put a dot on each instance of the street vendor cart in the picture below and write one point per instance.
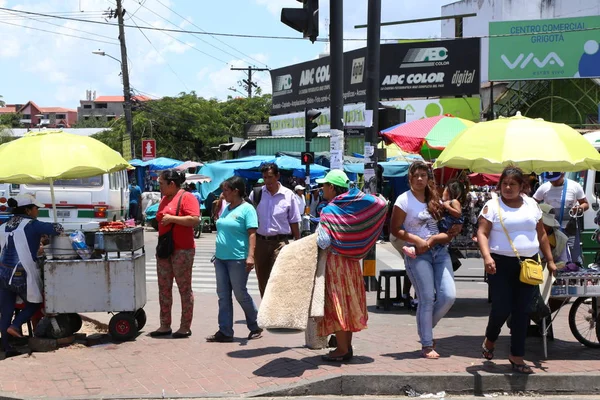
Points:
(114, 281)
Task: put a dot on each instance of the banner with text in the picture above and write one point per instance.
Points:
(423, 69)
(545, 49)
(354, 114)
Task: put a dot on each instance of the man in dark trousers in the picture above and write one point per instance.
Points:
(278, 218)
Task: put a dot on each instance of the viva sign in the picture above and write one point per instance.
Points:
(545, 49)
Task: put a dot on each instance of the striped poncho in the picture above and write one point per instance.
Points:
(353, 222)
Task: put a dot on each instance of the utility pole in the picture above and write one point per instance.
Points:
(371, 134)
(336, 37)
(248, 82)
(126, 88)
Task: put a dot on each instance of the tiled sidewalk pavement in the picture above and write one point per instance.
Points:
(191, 366)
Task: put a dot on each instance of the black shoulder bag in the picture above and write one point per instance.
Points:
(165, 246)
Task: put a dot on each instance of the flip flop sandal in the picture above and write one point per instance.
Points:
(488, 354)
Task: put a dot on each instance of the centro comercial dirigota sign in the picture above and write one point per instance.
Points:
(545, 49)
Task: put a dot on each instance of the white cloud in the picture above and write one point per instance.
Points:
(275, 6)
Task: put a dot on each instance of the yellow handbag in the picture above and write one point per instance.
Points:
(531, 270)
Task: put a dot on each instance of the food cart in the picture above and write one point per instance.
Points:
(113, 281)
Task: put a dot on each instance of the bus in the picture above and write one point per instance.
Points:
(84, 202)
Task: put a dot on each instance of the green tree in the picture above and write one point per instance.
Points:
(2, 102)
(11, 120)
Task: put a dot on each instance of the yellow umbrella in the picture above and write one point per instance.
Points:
(47, 155)
(532, 144)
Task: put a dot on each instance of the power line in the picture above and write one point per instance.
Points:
(323, 40)
(58, 33)
(158, 52)
(217, 39)
(181, 41)
(202, 40)
(66, 27)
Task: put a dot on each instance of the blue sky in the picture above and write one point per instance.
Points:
(56, 70)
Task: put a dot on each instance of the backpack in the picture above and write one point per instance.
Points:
(256, 196)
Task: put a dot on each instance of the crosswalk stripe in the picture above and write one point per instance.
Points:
(203, 272)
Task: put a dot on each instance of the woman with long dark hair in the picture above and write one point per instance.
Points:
(414, 220)
(511, 224)
(178, 212)
(234, 259)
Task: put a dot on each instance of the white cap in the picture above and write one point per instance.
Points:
(298, 187)
(25, 199)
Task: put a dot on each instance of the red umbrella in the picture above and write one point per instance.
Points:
(479, 179)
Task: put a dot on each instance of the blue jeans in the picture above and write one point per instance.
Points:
(433, 279)
(232, 276)
(7, 309)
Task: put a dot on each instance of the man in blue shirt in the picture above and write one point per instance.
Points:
(135, 199)
(193, 190)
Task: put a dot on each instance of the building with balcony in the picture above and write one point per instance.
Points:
(34, 116)
(104, 108)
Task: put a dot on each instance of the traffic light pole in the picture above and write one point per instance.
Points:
(371, 135)
(336, 34)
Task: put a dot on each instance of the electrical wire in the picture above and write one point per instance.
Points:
(158, 52)
(72, 29)
(322, 40)
(202, 40)
(58, 33)
(217, 39)
(187, 44)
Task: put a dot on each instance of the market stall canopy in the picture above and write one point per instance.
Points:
(479, 179)
(427, 136)
(534, 145)
(321, 157)
(391, 169)
(136, 162)
(221, 170)
(161, 163)
(189, 178)
(188, 164)
(286, 163)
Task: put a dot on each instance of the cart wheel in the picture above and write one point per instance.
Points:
(75, 322)
(140, 318)
(198, 231)
(123, 326)
(582, 321)
(61, 329)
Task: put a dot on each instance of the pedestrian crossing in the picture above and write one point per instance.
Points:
(203, 273)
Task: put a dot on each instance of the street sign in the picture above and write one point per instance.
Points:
(148, 149)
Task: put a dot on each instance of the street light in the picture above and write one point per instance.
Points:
(127, 98)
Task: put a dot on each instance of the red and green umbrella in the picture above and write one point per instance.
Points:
(427, 136)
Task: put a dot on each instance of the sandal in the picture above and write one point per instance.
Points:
(521, 368)
(488, 354)
(429, 353)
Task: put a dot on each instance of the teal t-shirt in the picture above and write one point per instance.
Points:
(232, 232)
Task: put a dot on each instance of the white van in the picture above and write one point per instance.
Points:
(83, 203)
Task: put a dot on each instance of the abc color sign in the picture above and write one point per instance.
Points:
(545, 49)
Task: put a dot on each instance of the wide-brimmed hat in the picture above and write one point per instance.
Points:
(25, 199)
(548, 216)
(336, 177)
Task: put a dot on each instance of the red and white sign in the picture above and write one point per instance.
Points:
(148, 149)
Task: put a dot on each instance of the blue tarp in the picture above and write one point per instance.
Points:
(391, 169)
(286, 163)
(136, 162)
(161, 163)
(221, 170)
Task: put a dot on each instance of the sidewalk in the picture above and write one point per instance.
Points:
(387, 353)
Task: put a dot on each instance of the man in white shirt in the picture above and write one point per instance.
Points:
(551, 193)
(300, 198)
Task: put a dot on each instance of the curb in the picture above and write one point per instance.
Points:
(476, 383)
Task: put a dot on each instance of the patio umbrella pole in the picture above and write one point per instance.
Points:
(53, 200)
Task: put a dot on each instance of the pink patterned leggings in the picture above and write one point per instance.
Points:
(178, 266)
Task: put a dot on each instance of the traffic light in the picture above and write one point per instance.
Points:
(310, 125)
(307, 157)
(305, 19)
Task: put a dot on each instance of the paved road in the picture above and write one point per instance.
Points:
(203, 274)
